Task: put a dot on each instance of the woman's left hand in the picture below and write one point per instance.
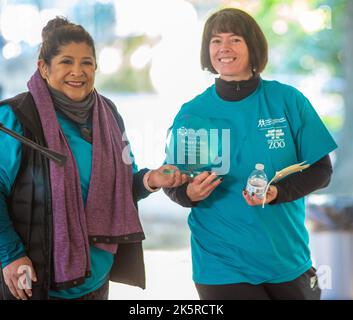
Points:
(166, 176)
(252, 200)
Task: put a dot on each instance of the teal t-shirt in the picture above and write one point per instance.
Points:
(231, 241)
(10, 245)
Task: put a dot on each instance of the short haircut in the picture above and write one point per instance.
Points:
(231, 20)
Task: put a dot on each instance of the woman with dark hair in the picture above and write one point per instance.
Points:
(66, 230)
(239, 249)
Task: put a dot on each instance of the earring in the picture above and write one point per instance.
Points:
(253, 70)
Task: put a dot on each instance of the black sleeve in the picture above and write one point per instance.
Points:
(138, 189)
(295, 186)
(300, 184)
(179, 196)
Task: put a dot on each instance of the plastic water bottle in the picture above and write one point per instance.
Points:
(257, 181)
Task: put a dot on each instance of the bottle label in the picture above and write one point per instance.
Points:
(256, 186)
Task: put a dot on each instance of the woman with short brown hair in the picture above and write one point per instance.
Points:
(239, 250)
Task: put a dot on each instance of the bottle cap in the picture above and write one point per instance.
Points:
(259, 166)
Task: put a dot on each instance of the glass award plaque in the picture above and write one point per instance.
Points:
(196, 144)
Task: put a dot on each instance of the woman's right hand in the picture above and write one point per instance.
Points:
(202, 186)
(18, 276)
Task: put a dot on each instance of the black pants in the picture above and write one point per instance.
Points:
(305, 287)
(101, 293)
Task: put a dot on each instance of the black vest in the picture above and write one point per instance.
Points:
(29, 206)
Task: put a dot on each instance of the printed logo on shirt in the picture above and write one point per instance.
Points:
(270, 122)
(273, 129)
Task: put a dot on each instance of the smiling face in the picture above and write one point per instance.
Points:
(71, 71)
(230, 56)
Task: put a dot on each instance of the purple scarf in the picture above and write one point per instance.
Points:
(110, 210)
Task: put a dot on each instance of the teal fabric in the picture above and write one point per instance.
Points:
(10, 245)
(232, 242)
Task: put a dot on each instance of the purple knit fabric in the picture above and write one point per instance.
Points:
(109, 211)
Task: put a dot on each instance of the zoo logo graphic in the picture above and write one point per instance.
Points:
(273, 133)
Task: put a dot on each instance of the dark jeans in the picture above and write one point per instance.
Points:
(100, 294)
(305, 287)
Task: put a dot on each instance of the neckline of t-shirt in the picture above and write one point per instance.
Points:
(239, 102)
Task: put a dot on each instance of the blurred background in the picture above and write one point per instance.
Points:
(148, 64)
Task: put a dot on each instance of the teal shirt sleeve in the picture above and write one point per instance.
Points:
(313, 140)
(134, 165)
(11, 247)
